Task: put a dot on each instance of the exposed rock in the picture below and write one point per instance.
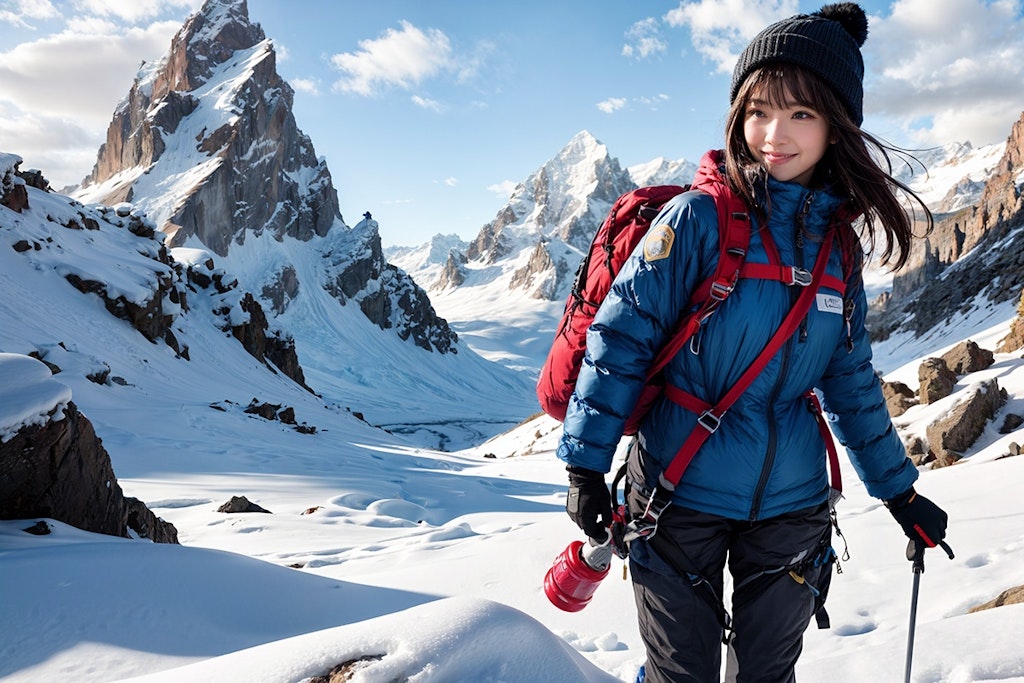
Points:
(917, 450)
(453, 274)
(898, 397)
(1010, 423)
(937, 380)
(343, 672)
(40, 528)
(145, 524)
(34, 178)
(1010, 596)
(13, 194)
(1015, 339)
(541, 276)
(967, 357)
(153, 316)
(60, 470)
(267, 348)
(490, 245)
(284, 289)
(241, 504)
(386, 295)
(950, 436)
(552, 217)
(274, 412)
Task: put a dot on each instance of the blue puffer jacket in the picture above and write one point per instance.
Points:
(767, 458)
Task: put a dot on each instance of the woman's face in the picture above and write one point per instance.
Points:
(788, 139)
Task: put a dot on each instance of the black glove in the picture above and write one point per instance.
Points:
(589, 503)
(922, 520)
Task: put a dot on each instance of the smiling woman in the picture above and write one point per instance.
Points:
(706, 489)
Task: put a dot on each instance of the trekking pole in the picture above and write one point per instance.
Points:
(915, 553)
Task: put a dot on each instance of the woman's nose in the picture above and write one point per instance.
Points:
(775, 131)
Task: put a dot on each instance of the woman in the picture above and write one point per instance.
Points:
(756, 493)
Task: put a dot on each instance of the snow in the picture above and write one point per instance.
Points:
(423, 565)
(955, 172)
(28, 395)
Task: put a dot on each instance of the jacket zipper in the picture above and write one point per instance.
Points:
(770, 453)
(798, 240)
(773, 437)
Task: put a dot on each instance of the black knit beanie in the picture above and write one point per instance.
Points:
(826, 42)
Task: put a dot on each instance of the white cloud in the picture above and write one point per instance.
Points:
(57, 146)
(948, 70)
(644, 40)
(306, 85)
(612, 104)
(58, 93)
(653, 102)
(426, 103)
(81, 73)
(504, 189)
(132, 10)
(24, 10)
(450, 182)
(720, 29)
(400, 58)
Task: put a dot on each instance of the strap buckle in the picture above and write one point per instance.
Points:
(709, 421)
(800, 277)
(720, 289)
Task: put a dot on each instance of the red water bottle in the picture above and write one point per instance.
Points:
(576, 573)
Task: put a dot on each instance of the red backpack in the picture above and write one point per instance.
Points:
(625, 227)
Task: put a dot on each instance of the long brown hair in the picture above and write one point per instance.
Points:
(854, 173)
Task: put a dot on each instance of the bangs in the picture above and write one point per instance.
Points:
(784, 85)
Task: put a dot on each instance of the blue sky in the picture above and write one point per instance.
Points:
(428, 113)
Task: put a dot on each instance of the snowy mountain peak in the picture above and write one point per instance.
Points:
(663, 171)
(567, 197)
(206, 145)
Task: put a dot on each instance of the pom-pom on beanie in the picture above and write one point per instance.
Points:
(826, 42)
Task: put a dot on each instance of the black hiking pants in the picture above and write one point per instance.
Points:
(771, 606)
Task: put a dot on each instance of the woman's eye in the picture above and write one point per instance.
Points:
(803, 115)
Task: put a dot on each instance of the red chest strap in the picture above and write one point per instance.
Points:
(789, 275)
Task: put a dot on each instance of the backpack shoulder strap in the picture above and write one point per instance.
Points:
(733, 242)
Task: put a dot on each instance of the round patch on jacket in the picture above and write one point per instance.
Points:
(658, 243)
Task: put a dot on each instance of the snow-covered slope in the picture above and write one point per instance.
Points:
(427, 566)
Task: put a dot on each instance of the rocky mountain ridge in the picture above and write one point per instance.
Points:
(205, 145)
(973, 257)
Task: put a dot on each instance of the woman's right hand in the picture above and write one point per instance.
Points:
(589, 503)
